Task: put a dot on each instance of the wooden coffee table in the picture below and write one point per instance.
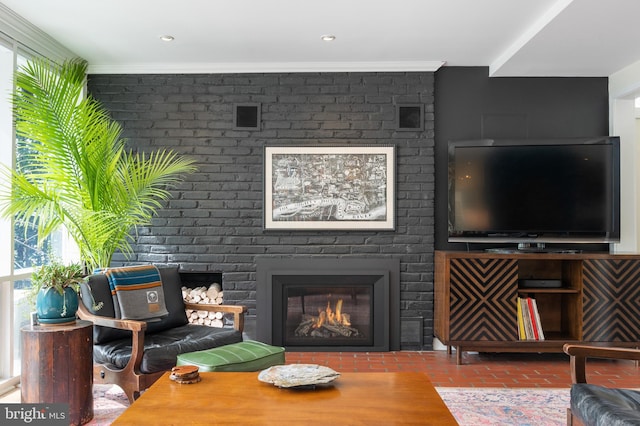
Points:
(241, 399)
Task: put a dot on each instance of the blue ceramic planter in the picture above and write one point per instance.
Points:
(55, 308)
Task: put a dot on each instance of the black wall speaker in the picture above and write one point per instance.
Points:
(410, 117)
(246, 116)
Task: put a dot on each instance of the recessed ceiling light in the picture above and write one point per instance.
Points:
(328, 37)
(166, 38)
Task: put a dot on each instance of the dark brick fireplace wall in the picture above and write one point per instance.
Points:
(214, 221)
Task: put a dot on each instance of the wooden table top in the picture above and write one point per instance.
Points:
(404, 398)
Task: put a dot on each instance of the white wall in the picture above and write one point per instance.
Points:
(624, 86)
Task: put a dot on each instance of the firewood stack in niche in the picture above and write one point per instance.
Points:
(213, 295)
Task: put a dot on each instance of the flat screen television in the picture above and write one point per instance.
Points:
(535, 191)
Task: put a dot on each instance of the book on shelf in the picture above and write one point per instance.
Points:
(522, 334)
(534, 324)
(525, 319)
(537, 316)
(529, 326)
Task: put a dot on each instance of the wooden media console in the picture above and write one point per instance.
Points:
(581, 297)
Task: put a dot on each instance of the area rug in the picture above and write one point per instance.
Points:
(502, 406)
(109, 401)
(470, 406)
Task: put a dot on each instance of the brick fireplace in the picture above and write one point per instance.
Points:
(328, 303)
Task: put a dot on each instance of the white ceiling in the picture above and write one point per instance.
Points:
(512, 37)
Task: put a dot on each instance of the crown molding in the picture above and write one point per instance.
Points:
(31, 37)
(261, 67)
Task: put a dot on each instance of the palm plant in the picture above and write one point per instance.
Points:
(76, 171)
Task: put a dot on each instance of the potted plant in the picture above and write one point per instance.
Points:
(56, 289)
(73, 168)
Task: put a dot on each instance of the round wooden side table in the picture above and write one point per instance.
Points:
(57, 367)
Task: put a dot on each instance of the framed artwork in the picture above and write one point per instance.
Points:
(337, 187)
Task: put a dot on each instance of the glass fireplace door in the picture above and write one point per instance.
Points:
(326, 315)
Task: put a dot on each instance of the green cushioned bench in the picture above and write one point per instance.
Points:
(243, 356)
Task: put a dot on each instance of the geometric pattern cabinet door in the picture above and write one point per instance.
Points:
(483, 296)
(611, 300)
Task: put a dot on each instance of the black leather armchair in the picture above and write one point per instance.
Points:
(134, 354)
(592, 405)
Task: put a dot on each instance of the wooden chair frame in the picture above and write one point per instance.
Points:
(578, 362)
(129, 378)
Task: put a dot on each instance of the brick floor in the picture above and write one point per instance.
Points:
(479, 370)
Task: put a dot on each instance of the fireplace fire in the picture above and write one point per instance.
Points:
(325, 314)
(328, 323)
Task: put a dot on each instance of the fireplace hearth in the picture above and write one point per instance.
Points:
(330, 304)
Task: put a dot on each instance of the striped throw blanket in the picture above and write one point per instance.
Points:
(137, 292)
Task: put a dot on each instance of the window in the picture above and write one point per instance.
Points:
(8, 59)
(19, 252)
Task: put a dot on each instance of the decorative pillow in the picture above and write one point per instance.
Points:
(96, 296)
(172, 286)
(137, 292)
(96, 290)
